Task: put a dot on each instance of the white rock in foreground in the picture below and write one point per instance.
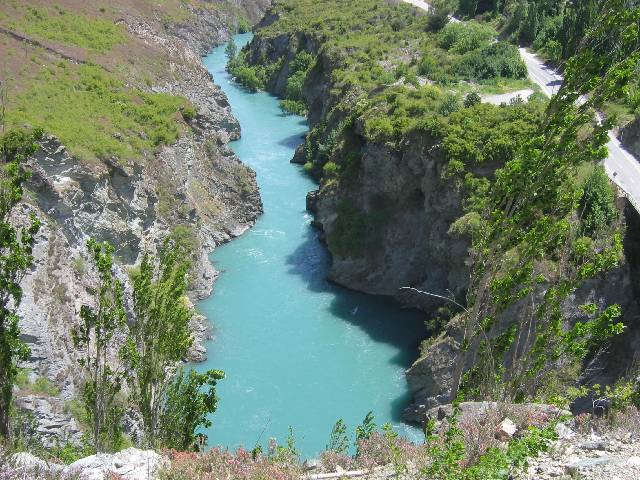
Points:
(506, 430)
(130, 464)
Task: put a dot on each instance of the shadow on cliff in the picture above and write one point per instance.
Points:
(381, 318)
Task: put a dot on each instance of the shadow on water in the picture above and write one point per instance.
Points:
(291, 142)
(380, 317)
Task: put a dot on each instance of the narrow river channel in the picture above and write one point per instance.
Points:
(297, 350)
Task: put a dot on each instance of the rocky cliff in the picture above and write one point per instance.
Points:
(196, 187)
(387, 219)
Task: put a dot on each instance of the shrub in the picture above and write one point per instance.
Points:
(598, 203)
(472, 99)
(465, 37)
(496, 60)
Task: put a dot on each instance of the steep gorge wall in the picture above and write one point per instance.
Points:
(387, 219)
(196, 185)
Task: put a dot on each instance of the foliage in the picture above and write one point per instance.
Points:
(338, 441)
(293, 100)
(231, 50)
(364, 431)
(116, 120)
(465, 37)
(530, 212)
(16, 244)
(190, 399)
(598, 203)
(94, 336)
(491, 61)
(472, 99)
(159, 336)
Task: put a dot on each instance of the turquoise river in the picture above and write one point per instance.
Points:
(297, 350)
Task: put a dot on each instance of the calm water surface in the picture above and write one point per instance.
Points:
(297, 350)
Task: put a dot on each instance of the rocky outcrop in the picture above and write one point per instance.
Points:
(387, 223)
(129, 464)
(630, 137)
(430, 377)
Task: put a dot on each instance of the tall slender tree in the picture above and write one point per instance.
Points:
(160, 335)
(16, 246)
(104, 374)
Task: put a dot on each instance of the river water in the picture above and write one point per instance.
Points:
(297, 350)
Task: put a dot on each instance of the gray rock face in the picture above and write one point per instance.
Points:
(129, 464)
(53, 421)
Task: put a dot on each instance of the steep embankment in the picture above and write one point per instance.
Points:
(135, 148)
(400, 158)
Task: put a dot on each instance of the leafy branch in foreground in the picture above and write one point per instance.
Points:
(531, 247)
(190, 398)
(16, 244)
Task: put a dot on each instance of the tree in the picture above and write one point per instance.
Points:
(190, 398)
(530, 216)
(16, 245)
(160, 335)
(231, 50)
(598, 203)
(99, 359)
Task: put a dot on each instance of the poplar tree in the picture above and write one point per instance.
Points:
(16, 245)
(95, 336)
(159, 334)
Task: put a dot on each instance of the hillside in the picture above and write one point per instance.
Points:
(135, 148)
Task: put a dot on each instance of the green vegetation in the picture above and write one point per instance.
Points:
(15, 259)
(536, 242)
(371, 45)
(115, 121)
(172, 406)
(160, 336)
(190, 399)
(293, 100)
(598, 203)
(69, 28)
(94, 337)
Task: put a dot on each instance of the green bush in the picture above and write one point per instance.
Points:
(598, 203)
(465, 37)
(496, 60)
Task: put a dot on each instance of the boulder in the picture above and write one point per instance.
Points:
(506, 430)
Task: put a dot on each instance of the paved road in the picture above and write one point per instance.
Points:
(622, 167)
(420, 4)
(507, 97)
